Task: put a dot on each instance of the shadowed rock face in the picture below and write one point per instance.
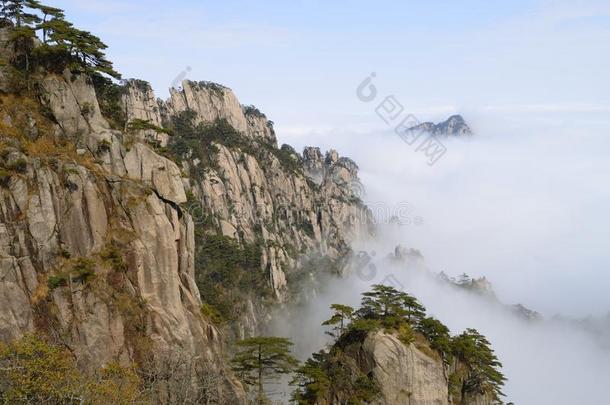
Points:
(453, 126)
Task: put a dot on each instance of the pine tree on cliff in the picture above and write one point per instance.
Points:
(61, 40)
(261, 358)
(484, 374)
(23, 32)
(340, 319)
(49, 16)
(390, 306)
(438, 336)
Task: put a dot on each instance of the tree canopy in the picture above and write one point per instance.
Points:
(61, 41)
(483, 375)
(391, 306)
(342, 315)
(263, 357)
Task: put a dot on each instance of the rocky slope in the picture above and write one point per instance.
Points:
(100, 226)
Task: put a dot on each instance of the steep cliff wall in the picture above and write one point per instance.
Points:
(101, 227)
(96, 251)
(257, 193)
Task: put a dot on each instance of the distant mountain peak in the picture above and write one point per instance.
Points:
(452, 126)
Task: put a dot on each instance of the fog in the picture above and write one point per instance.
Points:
(524, 204)
(525, 207)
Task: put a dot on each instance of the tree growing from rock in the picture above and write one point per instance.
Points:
(438, 336)
(391, 306)
(340, 319)
(483, 375)
(61, 41)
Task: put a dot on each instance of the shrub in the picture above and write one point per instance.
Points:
(33, 371)
(57, 281)
(307, 227)
(217, 88)
(226, 270)
(82, 270)
(86, 109)
(212, 314)
(109, 96)
(18, 165)
(103, 147)
(253, 111)
(146, 125)
(405, 334)
(113, 254)
(5, 178)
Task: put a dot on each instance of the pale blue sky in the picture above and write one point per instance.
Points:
(525, 203)
(300, 61)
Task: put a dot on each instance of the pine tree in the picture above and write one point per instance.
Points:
(390, 306)
(341, 317)
(61, 40)
(263, 357)
(23, 32)
(437, 334)
(475, 351)
(50, 15)
(311, 379)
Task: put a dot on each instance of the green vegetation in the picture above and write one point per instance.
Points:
(215, 87)
(109, 96)
(226, 271)
(438, 336)
(34, 371)
(335, 374)
(289, 159)
(146, 125)
(62, 45)
(482, 375)
(212, 314)
(341, 317)
(253, 111)
(197, 142)
(79, 270)
(263, 358)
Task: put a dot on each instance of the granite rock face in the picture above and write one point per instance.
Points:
(410, 374)
(249, 198)
(97, 239)
(405, 374)
(96, 250)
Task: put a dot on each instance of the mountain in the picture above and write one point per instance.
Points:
(137, 230)
(453, 126)
(141, 238)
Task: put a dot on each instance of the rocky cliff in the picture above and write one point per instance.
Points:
(395, 372)
(110, 234)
